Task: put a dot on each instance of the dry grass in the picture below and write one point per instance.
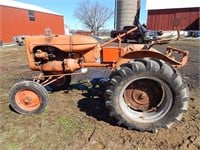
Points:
(72, 121)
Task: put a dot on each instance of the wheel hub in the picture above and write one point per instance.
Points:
(143, 95)
(27, 100)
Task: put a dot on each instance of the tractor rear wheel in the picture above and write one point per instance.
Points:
(146, 94)
(61, 83)
(140, 40)
(28, 97)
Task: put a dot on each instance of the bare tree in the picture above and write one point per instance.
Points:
(93, 15)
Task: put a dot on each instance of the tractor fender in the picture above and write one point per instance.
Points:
(147, 53)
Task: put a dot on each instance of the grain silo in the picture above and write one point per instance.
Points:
(125, 11)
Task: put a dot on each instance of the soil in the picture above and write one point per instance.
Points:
(73, 121)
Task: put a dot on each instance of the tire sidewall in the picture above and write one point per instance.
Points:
(28, 85)
(140, 40)
(131, 78)
(166, 74)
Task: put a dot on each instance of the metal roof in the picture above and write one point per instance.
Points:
(15, 4)
(171, 4)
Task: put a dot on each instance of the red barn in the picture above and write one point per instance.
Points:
(18, 18)
(161, 14)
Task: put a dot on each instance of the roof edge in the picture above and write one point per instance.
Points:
(21, 5)
(171, 4)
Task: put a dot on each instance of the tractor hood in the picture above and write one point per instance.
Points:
(73, 43)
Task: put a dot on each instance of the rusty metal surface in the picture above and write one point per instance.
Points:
(67, 54)
(143, 95)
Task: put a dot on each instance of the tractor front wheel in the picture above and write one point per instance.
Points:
(28, 97)
(146, 94)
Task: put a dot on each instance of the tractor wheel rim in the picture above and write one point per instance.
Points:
(146, 109)
(143, 94)
(27, 100)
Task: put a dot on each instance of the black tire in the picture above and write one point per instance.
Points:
(146, 94)
(28, 97)
(60, 84)
(140, 40)
(124, 40)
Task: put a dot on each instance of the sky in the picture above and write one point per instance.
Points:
(67, 8)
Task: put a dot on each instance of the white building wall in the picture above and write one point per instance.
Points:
(170, 4)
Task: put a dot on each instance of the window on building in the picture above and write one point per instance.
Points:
(31, 15)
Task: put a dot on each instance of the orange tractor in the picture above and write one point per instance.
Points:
(145, 90)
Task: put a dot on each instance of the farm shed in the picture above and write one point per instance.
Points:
(18, 18)
(161, 14)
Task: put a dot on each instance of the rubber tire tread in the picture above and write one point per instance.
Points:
(160, 69)
(36, 87)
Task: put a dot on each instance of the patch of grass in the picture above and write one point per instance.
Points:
(67, 124)
(13, 146)
(44, 146)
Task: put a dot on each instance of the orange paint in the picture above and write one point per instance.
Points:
(110, 54)
(27, 100)
(66, 43)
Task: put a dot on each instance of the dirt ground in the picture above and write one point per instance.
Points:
(72, 121)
